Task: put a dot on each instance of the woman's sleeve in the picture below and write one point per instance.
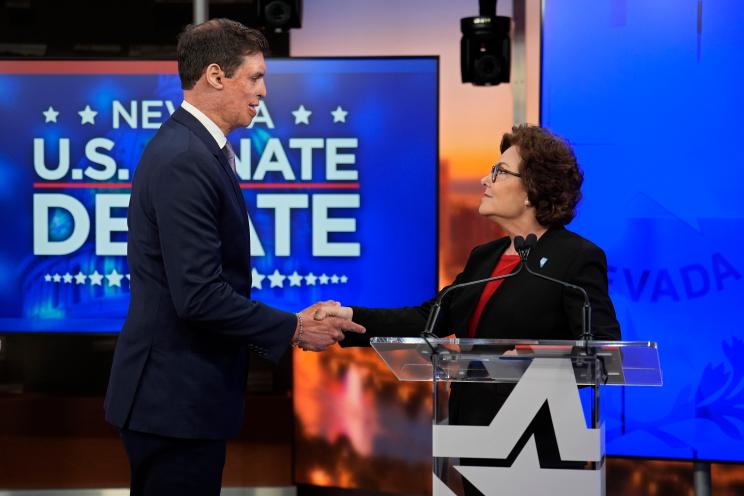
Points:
(403, 321)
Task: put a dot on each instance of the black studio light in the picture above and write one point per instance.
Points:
(280, 15)
(485, 47)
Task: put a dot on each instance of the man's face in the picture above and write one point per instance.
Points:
(243, 91)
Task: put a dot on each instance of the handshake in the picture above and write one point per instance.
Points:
(322, 325)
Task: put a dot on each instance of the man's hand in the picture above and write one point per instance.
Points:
(323, 325)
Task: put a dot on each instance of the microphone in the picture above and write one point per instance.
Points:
(431, 321)
(586, 314)
(523, 248)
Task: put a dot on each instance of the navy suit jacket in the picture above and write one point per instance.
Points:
(182, 356)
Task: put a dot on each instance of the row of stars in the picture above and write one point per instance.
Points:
(87, 115)
(301, 115)
(95, 278)
(276, 279)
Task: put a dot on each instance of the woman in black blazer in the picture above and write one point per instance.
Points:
(534, 188)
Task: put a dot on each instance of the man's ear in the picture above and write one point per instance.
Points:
(214, 75)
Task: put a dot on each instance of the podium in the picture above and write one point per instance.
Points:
(503, 457)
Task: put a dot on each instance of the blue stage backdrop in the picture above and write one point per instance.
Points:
(339, 173)
(649, 92)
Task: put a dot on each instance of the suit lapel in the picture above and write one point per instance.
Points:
(465, 304)
(486, 266)
(540, 256)
(188, 120)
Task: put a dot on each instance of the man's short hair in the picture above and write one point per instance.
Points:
(217, 41)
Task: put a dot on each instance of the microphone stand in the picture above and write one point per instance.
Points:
(431, 321)
(586, 312)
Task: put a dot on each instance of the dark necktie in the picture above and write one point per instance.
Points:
(230, 154)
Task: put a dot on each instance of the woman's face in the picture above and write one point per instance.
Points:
(505, 196)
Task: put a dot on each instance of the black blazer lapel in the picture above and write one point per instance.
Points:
(543, 251)
(183, 117)
(464, 304)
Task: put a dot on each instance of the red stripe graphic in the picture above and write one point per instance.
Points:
(83, 185)
(299, 185)
(88, 67)
(242, 185)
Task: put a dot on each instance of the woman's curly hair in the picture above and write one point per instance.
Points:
(550, 173)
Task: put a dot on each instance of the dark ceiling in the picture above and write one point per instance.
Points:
(110, 28)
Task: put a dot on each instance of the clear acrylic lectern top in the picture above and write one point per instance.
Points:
(629, 363)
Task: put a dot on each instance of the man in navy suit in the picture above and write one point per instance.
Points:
(177, 382)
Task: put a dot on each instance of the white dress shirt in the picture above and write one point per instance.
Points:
(208, 123)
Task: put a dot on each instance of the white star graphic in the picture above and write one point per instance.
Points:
(67, 278)
(48, 278)
(334, 279)
(277, 279)
(87, 115)
(323, 279)
(95, 278)
(56, 278)
(114, 278)
(344, 279)
(80, 278)
(50, 115)
(301, 115)
(310, 279)
(295, 279)
(256, 279)
(339, 115)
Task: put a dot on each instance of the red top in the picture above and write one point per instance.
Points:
(505, 266)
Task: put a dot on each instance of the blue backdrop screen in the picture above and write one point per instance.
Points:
(338, 169)
(650, 95)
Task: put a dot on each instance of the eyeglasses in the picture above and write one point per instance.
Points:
(497, 169)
